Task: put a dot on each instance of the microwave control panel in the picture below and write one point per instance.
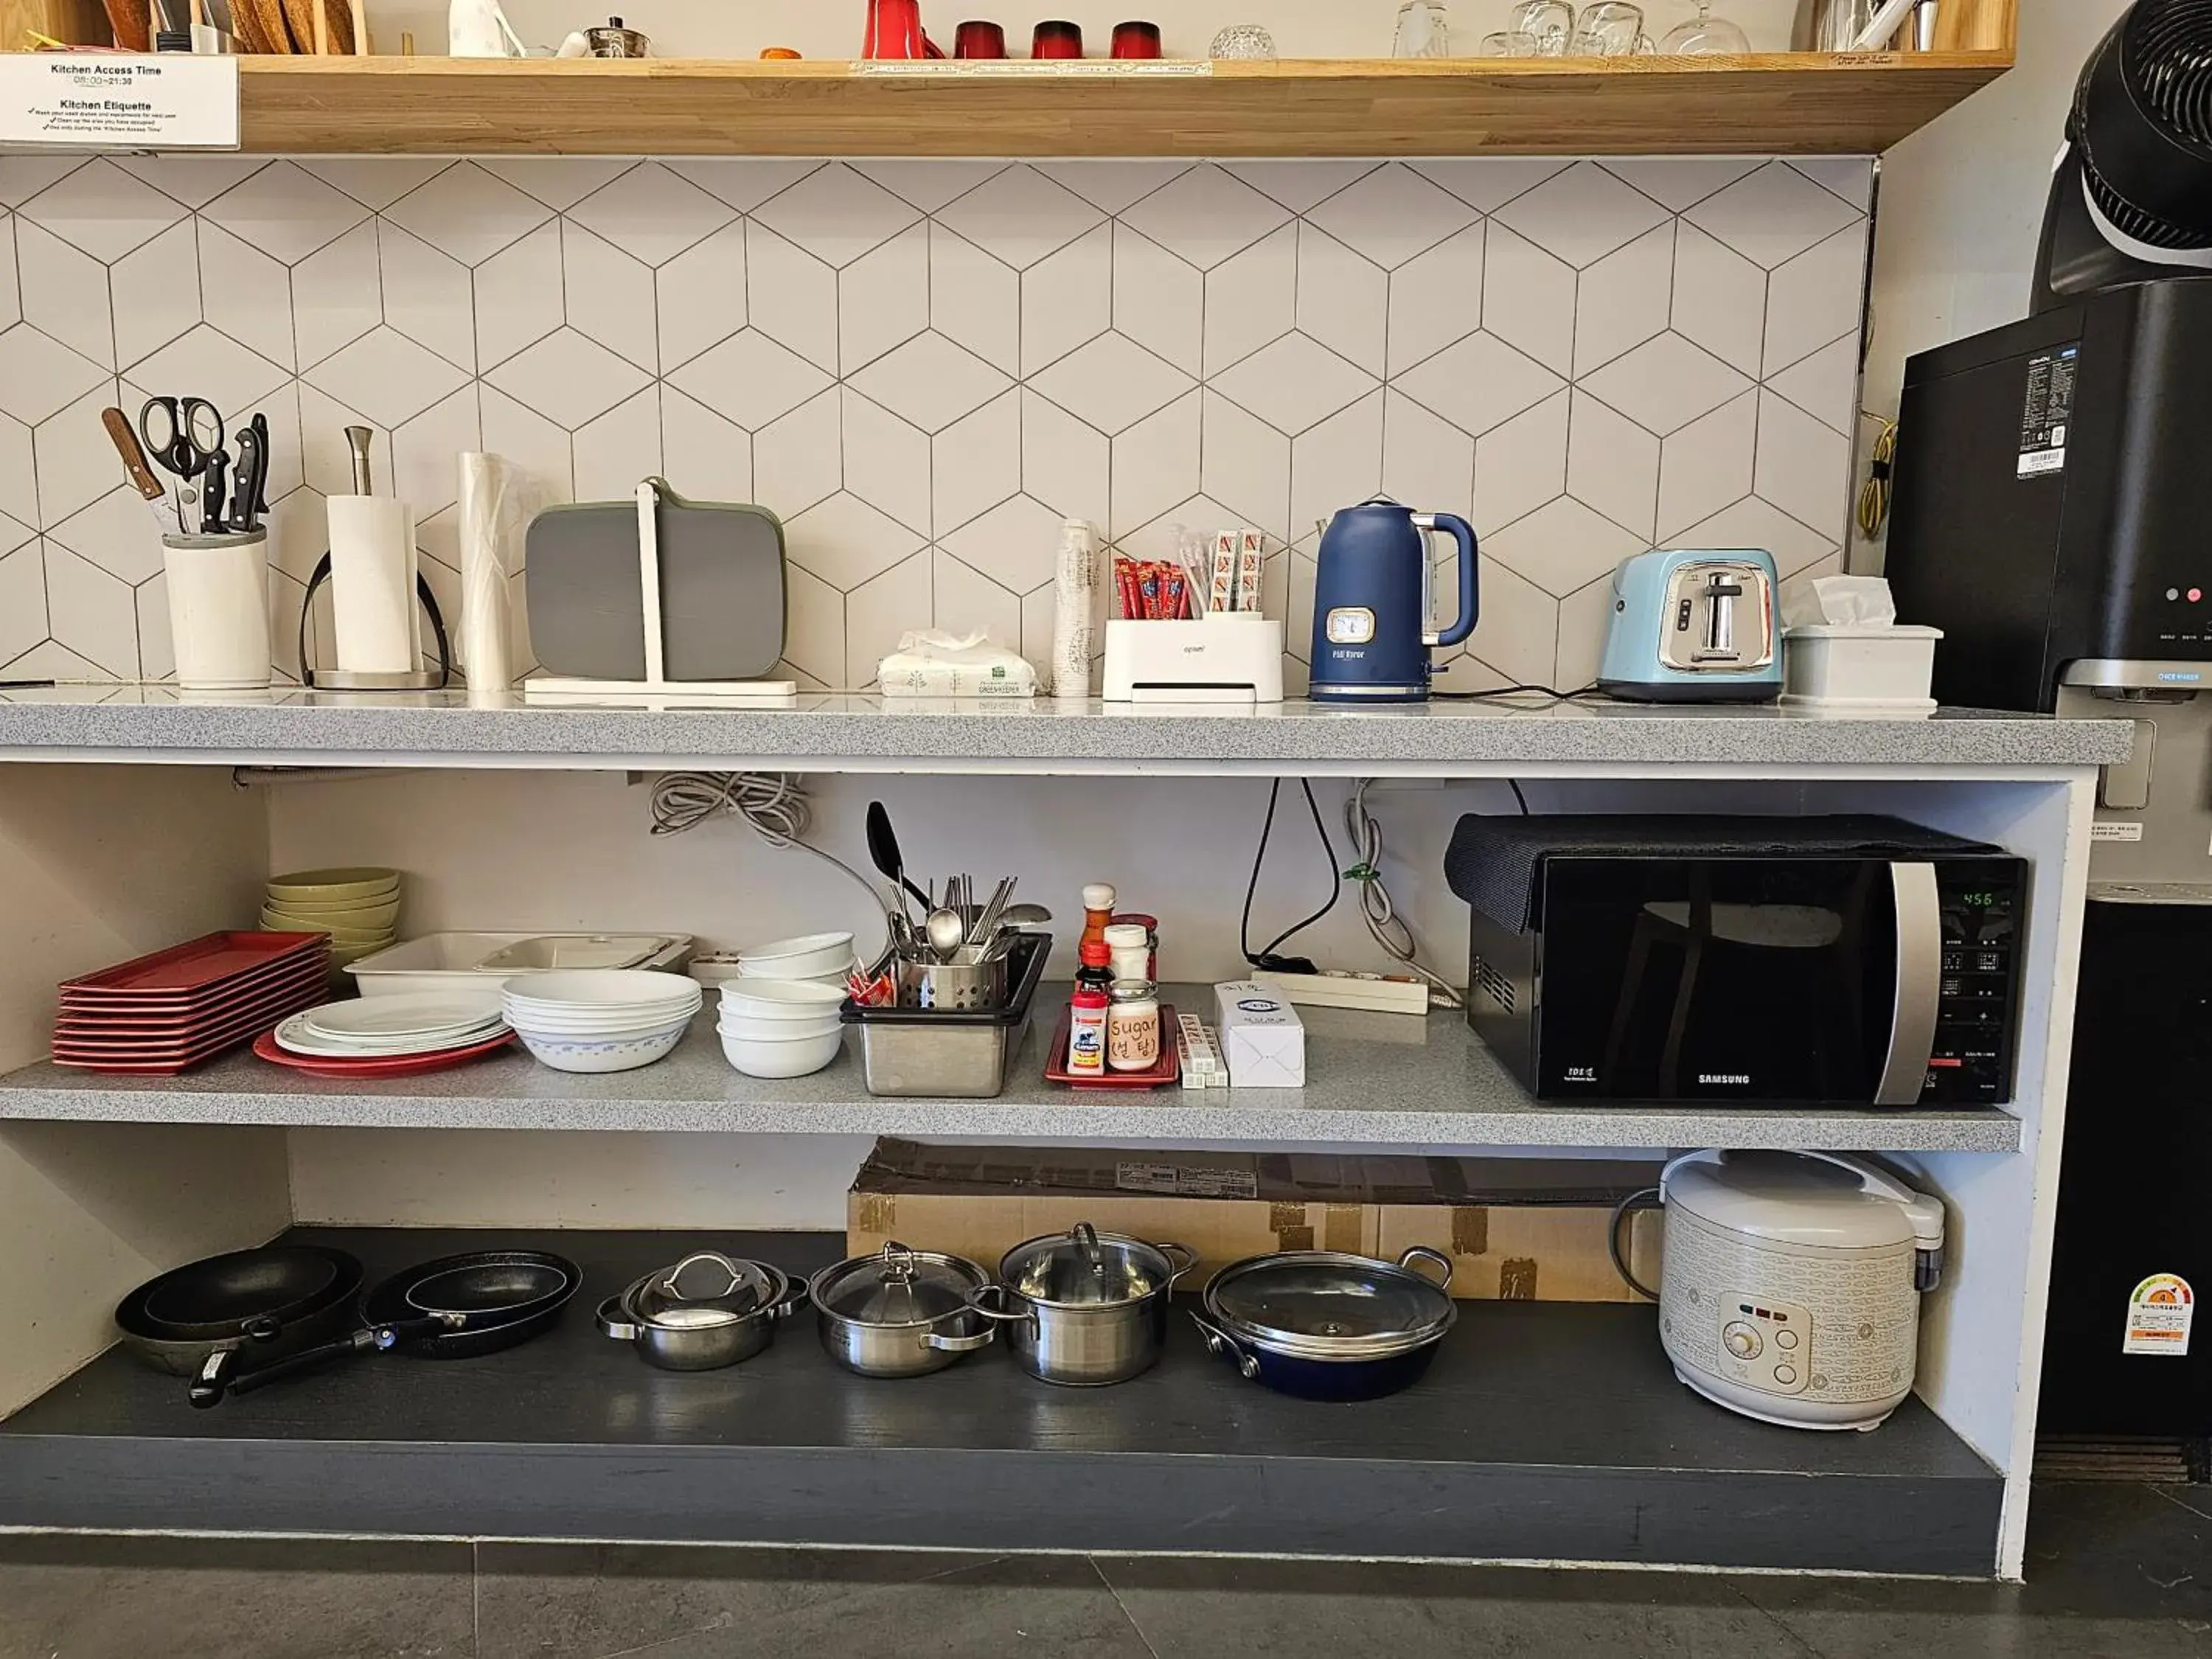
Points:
(1971, 1063)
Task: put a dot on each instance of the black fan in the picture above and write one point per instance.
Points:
(2131, 198)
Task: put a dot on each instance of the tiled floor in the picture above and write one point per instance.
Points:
(2124, 1571)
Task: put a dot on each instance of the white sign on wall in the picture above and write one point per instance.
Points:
(89, 101)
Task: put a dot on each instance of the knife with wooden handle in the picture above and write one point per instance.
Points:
(134, 457)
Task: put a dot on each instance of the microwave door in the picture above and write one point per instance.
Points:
(1919, 985)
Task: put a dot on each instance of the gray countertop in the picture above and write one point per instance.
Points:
(1373, 1080)
(851, 733)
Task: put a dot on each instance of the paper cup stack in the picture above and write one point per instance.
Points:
(358, 908)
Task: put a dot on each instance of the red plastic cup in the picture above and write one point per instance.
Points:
(1136, 40)
(979, 39)
(1057, 38)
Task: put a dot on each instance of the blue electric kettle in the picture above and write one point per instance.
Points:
(1373, 595)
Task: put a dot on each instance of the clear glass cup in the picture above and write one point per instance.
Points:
(1424, 31)
(1705, 35)
(1551, 22)
(1610, 28)
(1242, 40)
(1510, 43)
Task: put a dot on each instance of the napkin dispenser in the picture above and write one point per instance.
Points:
(709, 574)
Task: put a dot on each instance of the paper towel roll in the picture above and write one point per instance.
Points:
(493, 514)
(373, 565)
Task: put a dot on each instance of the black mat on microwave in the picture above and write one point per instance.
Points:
(1494, 862)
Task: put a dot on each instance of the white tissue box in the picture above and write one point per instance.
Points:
(1261, 1038)
(1859, 666)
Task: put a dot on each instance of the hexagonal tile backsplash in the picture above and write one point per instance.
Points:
(923, 366)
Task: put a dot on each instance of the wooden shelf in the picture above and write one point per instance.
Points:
(1792, 104)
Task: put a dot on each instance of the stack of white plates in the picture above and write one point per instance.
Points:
(421, 1022)
(826, 958)
(600, 1019)
(358, 908)
(781, 1028)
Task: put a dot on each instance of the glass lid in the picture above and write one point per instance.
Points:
(899, 1286)
(1327, 1304)
(705, 1290)
(1084, 1267)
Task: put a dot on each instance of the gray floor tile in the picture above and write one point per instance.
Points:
(126, 1598)
(587, 1601)
(1319, 1610)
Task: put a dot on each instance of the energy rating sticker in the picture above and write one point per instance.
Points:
(2158, 1315)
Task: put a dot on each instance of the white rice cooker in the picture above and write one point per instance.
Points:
(1792, 1281)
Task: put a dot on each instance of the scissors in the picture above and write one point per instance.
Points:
(184, 438)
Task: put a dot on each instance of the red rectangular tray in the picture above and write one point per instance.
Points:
(1169, 1070)
(192, 967)
(165, 1057)
(101, 1019)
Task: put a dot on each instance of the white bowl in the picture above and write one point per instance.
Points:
(783, 998)
(601, 1025)
(769, 1057)
(810, 957)
(564, 1053)
(778, 1030)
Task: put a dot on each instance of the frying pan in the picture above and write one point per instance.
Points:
(197, 1318)
(455, 1308)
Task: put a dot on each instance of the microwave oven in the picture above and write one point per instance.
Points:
(1857, 961)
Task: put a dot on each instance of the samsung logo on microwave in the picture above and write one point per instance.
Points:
(1737, 1078)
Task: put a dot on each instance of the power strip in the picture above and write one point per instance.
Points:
(1379, 994)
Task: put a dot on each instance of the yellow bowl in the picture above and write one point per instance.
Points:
(328, 886)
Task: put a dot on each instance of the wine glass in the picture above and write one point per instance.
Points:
(1610, 28)
(1705, 35)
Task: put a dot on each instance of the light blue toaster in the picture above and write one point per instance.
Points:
(1694, 625)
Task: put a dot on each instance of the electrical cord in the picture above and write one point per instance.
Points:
(1384, 925)
(773, 803)
(1266, 959)
(1634, 1200)
(1872, 511)
(1547, 691)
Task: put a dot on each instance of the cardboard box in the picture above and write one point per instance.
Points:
(1519, 1229)
(1261, 1038)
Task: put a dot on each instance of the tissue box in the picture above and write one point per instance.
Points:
(1262, 1038)
(1859, 666)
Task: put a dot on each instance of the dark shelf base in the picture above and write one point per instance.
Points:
(1543, 1432)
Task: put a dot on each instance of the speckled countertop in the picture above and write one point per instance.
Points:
(1372, 1079)
(833, 733)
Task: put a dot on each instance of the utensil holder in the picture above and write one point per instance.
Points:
(219, 609)
(959, 987)
(909, 1052)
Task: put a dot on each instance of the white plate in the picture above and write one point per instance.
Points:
(423, 1013)
(295, 1036)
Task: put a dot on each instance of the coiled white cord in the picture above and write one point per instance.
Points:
(773, 803)
(1384, 925)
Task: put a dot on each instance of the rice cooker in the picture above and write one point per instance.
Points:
(1792, 1281)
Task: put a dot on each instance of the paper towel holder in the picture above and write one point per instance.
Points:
(340, 680)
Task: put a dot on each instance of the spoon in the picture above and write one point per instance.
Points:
(946, 933)
(883, 851)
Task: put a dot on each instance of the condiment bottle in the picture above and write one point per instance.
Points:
(1151, 927)
(1132, 952)
(1087, 1012)
(1098, 912)
(1133, 1026)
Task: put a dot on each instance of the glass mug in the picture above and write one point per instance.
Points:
(1424, 31)
(1549, 21)
(1610, 28)
(1510, 43)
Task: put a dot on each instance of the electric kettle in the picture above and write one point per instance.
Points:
(1374, 601)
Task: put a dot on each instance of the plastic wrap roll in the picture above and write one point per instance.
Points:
(493, 516)
(1075, 609)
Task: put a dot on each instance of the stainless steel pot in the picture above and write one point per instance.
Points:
(900, 1312)
(698, 1328)
(1083, 1308)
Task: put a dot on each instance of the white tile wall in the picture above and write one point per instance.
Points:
(922, 366)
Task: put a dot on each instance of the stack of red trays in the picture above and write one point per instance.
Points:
(163, 1013)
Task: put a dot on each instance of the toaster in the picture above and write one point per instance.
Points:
(1690, 625)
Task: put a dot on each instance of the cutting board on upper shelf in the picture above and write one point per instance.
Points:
(80, 22)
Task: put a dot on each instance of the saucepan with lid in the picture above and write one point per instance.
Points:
(1328, 1324)
(707, 1311)
(1084, 1308)
(900, 1312)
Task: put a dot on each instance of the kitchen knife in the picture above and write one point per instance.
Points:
(252, 477)
(133, 453)
(212, 492)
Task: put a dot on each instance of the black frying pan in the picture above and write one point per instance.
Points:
(453, 1308)
(197, 1319)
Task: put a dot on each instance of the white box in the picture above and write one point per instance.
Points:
(1262, 1038)
(1233, 658)
(1852, 667)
